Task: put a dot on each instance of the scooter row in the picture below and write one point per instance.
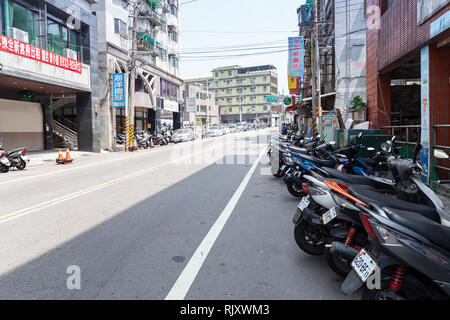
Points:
(142, 138)
(388, 235)
(16, 158)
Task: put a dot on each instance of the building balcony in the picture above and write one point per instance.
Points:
(150, 13)
(145, 41)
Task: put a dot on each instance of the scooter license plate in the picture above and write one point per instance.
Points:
(363, 265)
(329, 215)
(5, 161)
(303, 203)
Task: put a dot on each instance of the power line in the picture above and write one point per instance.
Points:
(207, 31)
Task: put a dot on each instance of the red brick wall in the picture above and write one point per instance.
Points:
(399, 35)
(399, 32)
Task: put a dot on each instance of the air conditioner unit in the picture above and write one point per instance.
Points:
(18, 34)
(70, 54)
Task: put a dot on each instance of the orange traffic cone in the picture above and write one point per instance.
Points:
(152, 145)
(68, 159)
(60, 159)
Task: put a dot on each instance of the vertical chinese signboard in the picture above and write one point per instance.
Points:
(425, 112)
(295, 57)
(119, 89)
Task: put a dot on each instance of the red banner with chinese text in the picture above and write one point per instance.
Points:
(31, 52)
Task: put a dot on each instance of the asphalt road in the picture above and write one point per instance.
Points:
(197, 220)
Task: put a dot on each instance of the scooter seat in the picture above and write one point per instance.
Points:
(369, 195)
(354, 178)
(431, 230)
(369, 162)
(298, 150)
(14, 151)
(320, 162)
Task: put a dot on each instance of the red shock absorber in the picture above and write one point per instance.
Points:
(397, 278)
(350, 235)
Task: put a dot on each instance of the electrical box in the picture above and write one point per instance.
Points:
(327, 124)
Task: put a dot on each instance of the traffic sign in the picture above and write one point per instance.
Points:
(287, 101)
(271, 98)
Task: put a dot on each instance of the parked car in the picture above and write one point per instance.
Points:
(214, 131)
(232, 128)
(239, 127)
(225, 129)
(181, 135)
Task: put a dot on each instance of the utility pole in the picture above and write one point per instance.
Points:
(133, 62)
(315, 60)
(240, 108)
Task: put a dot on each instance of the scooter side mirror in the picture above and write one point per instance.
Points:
(332, 142)
(440, 154)
(393, 138)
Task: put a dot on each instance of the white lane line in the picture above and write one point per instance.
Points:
(189, 273)
(99, 163)
(46, 204)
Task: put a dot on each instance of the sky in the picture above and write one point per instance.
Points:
(207, 26)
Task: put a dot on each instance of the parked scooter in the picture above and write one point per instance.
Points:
(4, 162)
(17, 157)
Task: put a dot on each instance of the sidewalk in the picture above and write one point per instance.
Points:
(49, 156)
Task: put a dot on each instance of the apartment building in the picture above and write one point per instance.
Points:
(158, 83)
(48, 68)
(206, 111)
(240, 92)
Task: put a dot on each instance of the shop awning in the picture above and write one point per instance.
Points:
(155, 3)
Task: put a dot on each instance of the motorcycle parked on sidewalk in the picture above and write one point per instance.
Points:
(17, 158)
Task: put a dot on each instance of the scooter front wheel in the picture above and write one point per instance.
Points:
(4, 169)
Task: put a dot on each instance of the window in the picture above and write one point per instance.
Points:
(229, 90)
(265, 79)
(239, 81)
(59, 38)
(253, 80)
(20, 18)
(162, 54)
(174, 61)
(229, 100)
(120, 27)
(239, 90)
(173, 36)
(265, 108)
(168, 89)
(253, 89)
(230, 109)
(217, 74)
(173, 10)
(230, 73)
(265, 88)
(252, 99)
